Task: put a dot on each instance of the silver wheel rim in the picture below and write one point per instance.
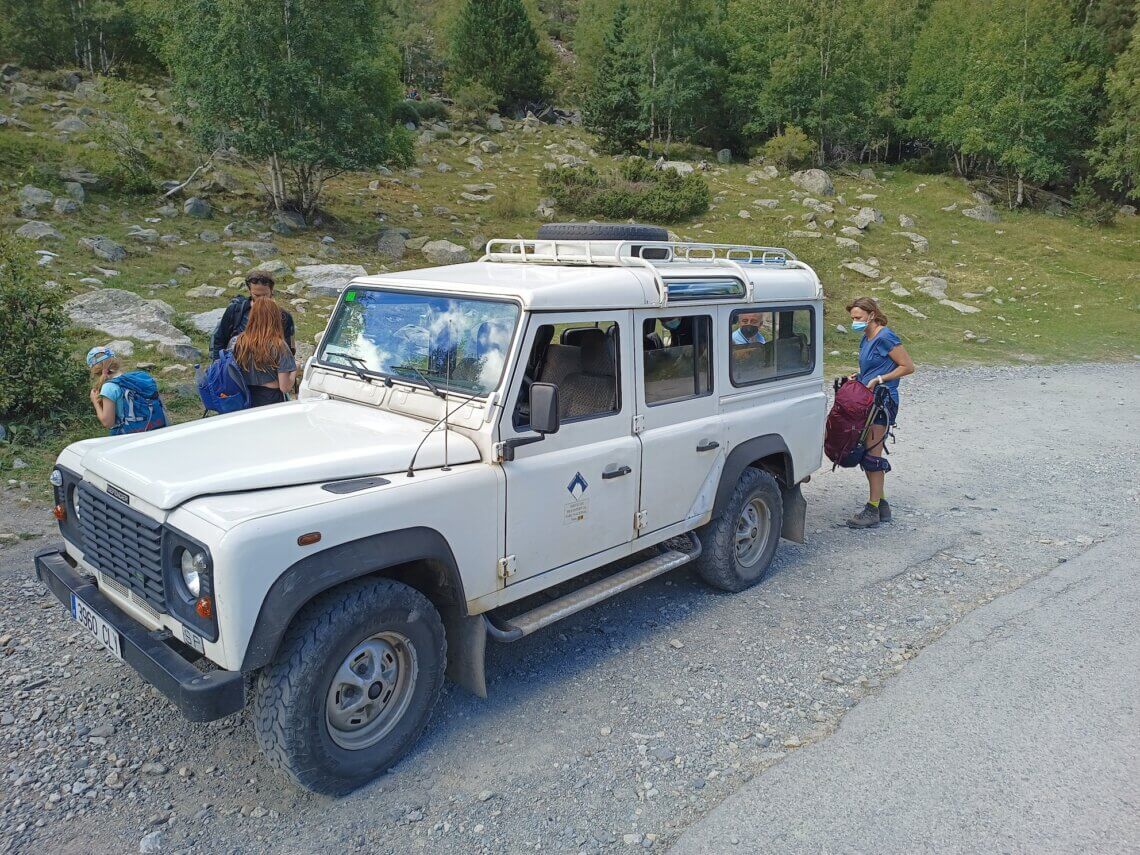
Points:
(371, 690)
(753, 529)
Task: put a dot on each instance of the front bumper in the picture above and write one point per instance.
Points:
(201, 696)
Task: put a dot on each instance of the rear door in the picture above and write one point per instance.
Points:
(681, 432)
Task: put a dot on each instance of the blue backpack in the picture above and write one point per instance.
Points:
(142, 408)
(222, 387)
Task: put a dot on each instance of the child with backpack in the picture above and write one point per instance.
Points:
(124, 402)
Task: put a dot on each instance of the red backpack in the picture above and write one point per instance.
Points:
(844, 441)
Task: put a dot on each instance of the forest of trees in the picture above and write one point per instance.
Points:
(1040, 93)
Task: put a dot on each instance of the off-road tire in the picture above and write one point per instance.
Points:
(718, 564)
(289, 704)
(601, 231)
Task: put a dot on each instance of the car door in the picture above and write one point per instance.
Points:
(682, 441)
(574, 494)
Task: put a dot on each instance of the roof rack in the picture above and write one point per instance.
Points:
(641, 254)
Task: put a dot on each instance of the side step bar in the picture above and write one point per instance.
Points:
(591, 594)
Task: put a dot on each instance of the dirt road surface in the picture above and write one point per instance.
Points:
(628, 723)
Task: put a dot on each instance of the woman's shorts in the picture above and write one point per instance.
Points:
(887, 415)
(260, 396)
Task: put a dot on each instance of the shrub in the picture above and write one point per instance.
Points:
(507, 206)
(404, 112)
(125, 131)
(791, 148)
(431, 109)
(38, 378)
(1089, 205)
(635, 191)
(475, 99)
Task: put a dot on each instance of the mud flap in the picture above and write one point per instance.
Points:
(466, 644)
(795, 514)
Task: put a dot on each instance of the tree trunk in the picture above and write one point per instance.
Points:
(276, 182)
(1020, 189)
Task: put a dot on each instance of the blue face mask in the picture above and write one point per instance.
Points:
(673, 324)
(858, 326)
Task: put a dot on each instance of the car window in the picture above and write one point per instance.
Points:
(457, 342)
(676, 358)
(765, 344)
(582, 361)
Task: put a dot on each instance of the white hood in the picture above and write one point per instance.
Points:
(299, 442)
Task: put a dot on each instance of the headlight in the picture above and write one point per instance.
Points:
(56, 478)
(193, 565)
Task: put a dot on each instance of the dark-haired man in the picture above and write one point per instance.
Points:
(260, 284)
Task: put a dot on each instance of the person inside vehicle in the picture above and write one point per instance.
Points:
(264, 357)
(260, 286)
(882, 362)
(678, 333)
(749, 331)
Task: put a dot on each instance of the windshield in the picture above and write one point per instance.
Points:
(456, 342)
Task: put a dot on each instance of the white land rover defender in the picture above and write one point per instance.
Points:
(465, 437)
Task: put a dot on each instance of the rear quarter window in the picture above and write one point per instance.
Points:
(768, 344)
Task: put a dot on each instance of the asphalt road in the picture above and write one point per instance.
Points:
(1018, 731)
(623, 726)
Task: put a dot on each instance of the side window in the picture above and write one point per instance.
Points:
(769, 344)
(676, 358)
(582, 361)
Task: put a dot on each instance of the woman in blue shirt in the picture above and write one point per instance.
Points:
(882, 361)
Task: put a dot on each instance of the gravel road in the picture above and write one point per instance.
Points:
(624, 725)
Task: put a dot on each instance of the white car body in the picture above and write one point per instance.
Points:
(248, 485)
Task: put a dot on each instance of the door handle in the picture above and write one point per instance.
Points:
(708, 445)
(616, 473)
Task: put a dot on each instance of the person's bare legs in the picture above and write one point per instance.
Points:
(875, 448)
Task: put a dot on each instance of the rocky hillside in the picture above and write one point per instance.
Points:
(962, 278)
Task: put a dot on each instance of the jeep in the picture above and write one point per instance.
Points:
(584, 412)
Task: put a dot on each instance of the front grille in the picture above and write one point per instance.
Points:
(123, 545)
(106, 582)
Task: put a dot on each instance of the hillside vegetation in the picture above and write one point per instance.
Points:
(1029, 286)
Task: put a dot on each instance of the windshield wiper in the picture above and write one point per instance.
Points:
(422, 376)
(354, 362)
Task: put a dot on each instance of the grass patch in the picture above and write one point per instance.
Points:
(635, 191)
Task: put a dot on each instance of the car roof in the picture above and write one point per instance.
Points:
(569, 287)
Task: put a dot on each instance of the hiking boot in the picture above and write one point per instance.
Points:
(866, 518)
(884, 511)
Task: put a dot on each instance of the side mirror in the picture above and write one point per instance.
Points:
(544, 408)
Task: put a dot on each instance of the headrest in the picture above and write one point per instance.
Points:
(597, 353)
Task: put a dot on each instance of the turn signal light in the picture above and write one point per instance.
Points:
(59, 512)
(204, 607)
(309, 539)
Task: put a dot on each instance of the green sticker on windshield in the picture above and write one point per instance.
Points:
(349, 296)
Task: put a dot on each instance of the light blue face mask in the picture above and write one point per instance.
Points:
(858, 326)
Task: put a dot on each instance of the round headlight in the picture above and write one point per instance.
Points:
(56, 478)
(193, 565)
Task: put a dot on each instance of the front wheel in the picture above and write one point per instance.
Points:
(353, 686)
(739, 544)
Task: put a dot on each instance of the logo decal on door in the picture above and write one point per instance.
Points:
(577, 486)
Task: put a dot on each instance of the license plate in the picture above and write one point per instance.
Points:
(104, 633)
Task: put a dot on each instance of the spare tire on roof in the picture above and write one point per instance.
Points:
(601, 231)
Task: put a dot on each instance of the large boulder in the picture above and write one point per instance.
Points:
(494, 123)
(814, 181)
(862, 268)
(445, 252)
(198, 207)
(985, 213)
(724, 156)
(35, 230)
(678, 166)
(932, 286)
(125, 314)
(917, 241)
(392, 243)
(71, 125)
(35, 196)
(256, 248)
(207, 322)
(866, 216)
(104, 248)
(328, 280)
(89, 180)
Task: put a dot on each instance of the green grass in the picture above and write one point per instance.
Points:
(1053, 289)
